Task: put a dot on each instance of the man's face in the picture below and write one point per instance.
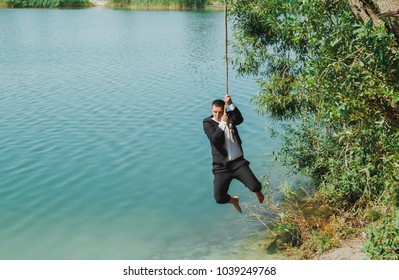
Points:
(217, 112)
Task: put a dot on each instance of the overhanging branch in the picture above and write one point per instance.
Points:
(378, 10)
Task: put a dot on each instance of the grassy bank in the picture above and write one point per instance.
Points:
(120, 4)
(45, 3)
(304, 224)
(163, 4)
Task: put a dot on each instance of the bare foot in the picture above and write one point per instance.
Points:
(260, 196)
(235, 201)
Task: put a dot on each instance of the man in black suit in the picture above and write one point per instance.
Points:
(227, 155)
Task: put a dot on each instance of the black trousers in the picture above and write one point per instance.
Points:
(236, 169)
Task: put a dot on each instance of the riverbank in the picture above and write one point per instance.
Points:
(213, 5)
(100, 3)
(3, 4)
(217, 5)
(45, 4)
(350, 250)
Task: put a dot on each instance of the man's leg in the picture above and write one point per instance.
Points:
(221, 183)
(260, 196)
(235, 201)
(248, 178)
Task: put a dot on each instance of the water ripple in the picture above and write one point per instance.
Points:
(103, 154)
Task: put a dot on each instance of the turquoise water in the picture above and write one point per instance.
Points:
(103, 154)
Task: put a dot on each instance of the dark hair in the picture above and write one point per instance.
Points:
(218, 103)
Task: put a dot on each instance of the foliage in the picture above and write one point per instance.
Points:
(384, 237)
(305, 219)
(180, 4)
(74, 3)
(334, 83)
(48, 3)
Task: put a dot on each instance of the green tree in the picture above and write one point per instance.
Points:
(48, 3)
(182, 4)
(333, 80)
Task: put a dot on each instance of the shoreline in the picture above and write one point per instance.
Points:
(351, 249)
(214, 5)
(99, 3)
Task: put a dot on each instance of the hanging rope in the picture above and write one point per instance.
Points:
(226, 47)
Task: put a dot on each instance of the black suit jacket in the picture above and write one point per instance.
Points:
(217, 138)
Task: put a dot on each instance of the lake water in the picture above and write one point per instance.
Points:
(102, 151)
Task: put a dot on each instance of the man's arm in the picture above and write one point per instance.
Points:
(215, 135)
(234, 114)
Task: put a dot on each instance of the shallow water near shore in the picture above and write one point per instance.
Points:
(103, 154)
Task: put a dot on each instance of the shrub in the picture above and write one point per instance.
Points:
(333, 82)
(384, 237)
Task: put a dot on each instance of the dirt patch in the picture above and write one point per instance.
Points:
(99, 3)
(350, 250)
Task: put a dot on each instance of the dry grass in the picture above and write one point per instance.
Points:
(3, 4)
(305, 225)
(157, 4)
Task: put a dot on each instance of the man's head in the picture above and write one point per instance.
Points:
(218, 109)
